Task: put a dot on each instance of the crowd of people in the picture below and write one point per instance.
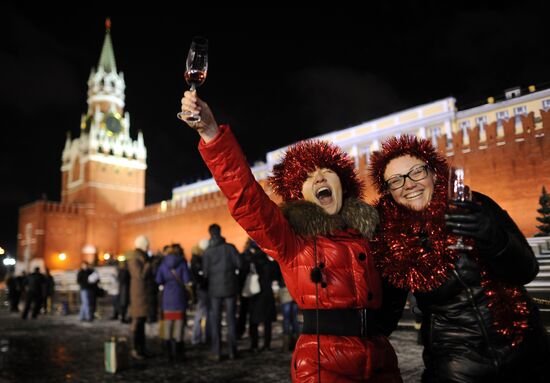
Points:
(210, 282)
(35, 290)
(165, 287)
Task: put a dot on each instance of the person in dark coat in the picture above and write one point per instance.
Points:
(173, 275)
(220, 264)
(262, 305)
(85, 314)
(202, 304)
(49, 291)
(152, 289)
(120, 292)
(123, 279)
(479, 324)
(14, 292)
(21, 284)
(35, 293)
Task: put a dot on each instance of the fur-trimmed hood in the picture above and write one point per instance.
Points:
(308, 219)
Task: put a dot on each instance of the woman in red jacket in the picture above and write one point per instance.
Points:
(320, 239)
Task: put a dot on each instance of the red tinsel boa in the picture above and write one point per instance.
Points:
(304, 157)
(415, 255)
(411, 251)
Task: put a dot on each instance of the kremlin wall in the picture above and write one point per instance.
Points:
(504, 146)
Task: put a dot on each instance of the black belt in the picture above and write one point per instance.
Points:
(340, 322)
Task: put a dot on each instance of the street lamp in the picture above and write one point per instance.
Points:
(9, 261)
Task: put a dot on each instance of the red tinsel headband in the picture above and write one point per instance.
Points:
(401, 146)
(304, 157)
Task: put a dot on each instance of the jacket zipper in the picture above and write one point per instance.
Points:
(479, 319)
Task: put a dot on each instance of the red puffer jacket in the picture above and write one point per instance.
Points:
(349, 275)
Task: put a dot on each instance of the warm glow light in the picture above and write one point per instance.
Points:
(62, 256)
(9, 261)
(121, 258)
(106, 256)
(2, 251)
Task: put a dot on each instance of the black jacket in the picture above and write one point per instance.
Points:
(197, 275)
(262, 305)
(220, 263)
(460, 341)
(82, 278)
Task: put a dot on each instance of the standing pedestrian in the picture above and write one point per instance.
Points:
(139, 267)
(35, 293)
(49, 291)
(85, 314)
(201, 329)
(220, 264)
(173, 275)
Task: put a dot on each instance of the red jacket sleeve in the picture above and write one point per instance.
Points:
(248, 203)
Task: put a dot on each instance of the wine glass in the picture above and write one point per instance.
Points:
(458, 191)
(196, 68)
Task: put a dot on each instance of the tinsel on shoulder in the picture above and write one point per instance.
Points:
(411, 251)
(411, 247)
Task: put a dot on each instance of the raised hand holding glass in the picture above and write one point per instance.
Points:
(196, 69)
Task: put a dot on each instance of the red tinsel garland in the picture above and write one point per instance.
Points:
(411, 250)
(409, 263)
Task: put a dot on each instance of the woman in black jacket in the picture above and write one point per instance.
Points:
(479, 324)
(261, 306)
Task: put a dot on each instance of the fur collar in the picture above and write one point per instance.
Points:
(308, 219)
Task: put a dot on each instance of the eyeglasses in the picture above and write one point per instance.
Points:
(417, 173)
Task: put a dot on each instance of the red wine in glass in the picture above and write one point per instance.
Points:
(457, 191)
(195, 78)
(196, 68)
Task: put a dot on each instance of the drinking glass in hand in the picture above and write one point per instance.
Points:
(195, 71)
(458, 191)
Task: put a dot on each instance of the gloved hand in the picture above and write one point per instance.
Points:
(476, 222)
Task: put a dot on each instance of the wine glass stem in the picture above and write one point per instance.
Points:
(193, 87)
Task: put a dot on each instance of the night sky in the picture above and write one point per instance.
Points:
(276, 75)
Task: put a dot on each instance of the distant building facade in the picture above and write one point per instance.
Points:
(504, 145)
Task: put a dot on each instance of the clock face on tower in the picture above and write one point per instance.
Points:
(112, 123)
(87, 123)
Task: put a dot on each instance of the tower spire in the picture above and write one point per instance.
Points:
(107, 58)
